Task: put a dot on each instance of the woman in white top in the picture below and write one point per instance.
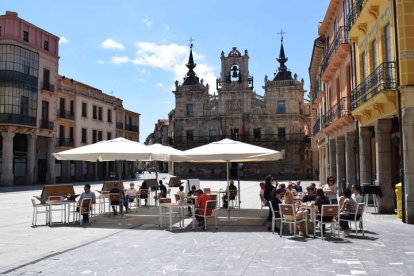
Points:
(331, 190)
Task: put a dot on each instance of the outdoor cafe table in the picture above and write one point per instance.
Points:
(180, 206)
(65, 206)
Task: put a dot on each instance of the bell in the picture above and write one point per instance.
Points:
(235, 74)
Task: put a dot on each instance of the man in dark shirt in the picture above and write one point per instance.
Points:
(311, 194)
(163, 190)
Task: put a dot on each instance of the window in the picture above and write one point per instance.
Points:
(100, 135)
(72, 107)
(387, 43)
(100, 113)
(109, 116)
(61, 131)
(109, 136)
(281, 134)
(26, 36)
(363, 72)
(45, 110)
(24, 106)
(374, 55)
(46, 45)
(71, 134)
(94, 112)
(94, 136)
(257, 132)
(46, 79)
(212, 134)
(84, 136)
(190, 111)
(84, 110)
(190, 136)
(280, 107)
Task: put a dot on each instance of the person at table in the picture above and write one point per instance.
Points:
(291, 189)
(190, 198)
(300, 214)
(268, 197)
(163, 190)
(321, 199)
(181, 193)
(310, 195)
(331, 190)
(130, 195)
(143, 192)
(87, 194)
(356, 193)
(297, 186)
(201, 204)
(347, 210)
(116, 190)
(277, 195)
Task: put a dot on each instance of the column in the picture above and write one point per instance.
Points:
(340, 163)
(7, 176)
(365, 155)
(408, 155)
(332, 158)
(321, 167)
(383, 164)
(350, 160)
(31, 157)
(51, 170)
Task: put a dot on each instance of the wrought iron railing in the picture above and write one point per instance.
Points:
(18, 119)
(131, 127)
(66, 114)
(354, 13)
(48, 86)
(119, 125)
(316, 127)
(341, 37)
(65, 142)
(46, 124)
(340, 109)
(384, 77)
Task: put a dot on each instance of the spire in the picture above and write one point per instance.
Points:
(283, 73)
(191, 77)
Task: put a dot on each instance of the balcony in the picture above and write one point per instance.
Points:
(354, 13)
(131, 128)
(338, 50)
(383, 78)
(46, 124)
(66, 114)
(48, 86)
(119, 125)
(339, 110)
(17, 119)
(65, 142)
(316, 127)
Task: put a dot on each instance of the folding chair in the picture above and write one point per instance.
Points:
(83, 208)
(358, 218)
(142, 194)
(115, 200)
(329, 211)
(210, 205)
(288, 211)
(39, 208)
(275, 216)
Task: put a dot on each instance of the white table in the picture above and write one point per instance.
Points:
(181, 208)
(65, 207)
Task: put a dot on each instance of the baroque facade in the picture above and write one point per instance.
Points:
(278, 120)
(42, 112)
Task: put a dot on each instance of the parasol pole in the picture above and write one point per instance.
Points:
(227, 192)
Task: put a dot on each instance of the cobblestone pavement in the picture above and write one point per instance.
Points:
(135, 245)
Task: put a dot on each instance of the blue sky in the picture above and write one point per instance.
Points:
(135, 50)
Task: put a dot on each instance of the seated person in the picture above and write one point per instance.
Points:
(297, 186)
(85, 195)
(348, 210)
(181, 193)
(291, 189)
(116, 190)
(143, 192)
(311, 194)
(321, 199)
(191, 200)
(201, 203)
(130, 195)
(300, 214)
(356, 194)
(163, 190)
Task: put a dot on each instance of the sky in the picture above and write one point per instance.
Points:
(136, 49)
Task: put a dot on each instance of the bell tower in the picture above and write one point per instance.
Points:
(234, 74)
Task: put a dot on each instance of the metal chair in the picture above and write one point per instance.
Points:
(288, 211)
(275, 217)
(39, 208)
(358, 221)
(142, 194)
(211, 205)
(115, 201)
(83, 208)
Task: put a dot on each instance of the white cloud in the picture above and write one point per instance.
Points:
(100, 61)
(119, 60)
(160, 85)
(144, 71)
(63, 40)
(147, 22)
(112, 44)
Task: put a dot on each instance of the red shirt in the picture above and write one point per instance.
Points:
(201, 202)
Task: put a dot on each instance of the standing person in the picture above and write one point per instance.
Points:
(130, 195)
(268, 197)
(201, 204)
(331, 190)
(86, 195)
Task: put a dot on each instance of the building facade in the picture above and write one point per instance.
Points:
(276, 120)
(42, 112)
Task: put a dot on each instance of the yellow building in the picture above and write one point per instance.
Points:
(383, 36)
